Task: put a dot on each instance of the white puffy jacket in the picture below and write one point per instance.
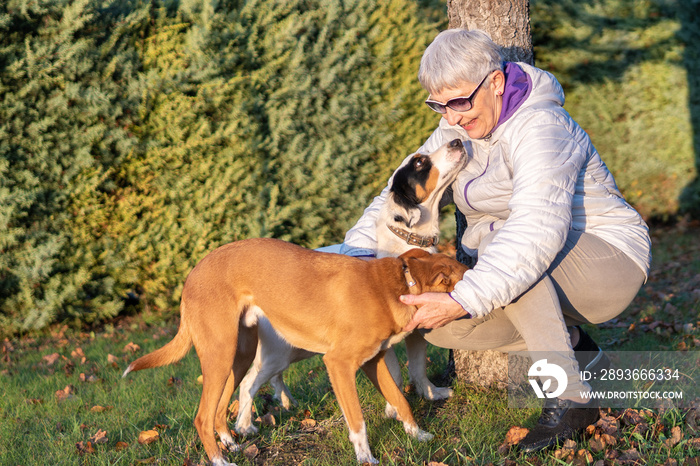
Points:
(535, 179)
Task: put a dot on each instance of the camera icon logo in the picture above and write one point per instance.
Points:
(547, 372)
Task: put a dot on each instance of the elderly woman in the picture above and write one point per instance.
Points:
(556, 243)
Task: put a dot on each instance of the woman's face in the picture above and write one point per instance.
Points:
(481, 119)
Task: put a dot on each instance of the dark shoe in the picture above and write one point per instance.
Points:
(560, 420)
(589, 355)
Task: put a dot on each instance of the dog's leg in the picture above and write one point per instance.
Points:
(392, 363)
(247, 344)
(282, 393)
(342, 376)
(378, 372)
(216, 355)
(220, 422)
(272, 357)
(416, 351)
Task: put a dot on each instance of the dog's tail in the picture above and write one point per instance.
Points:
(172, 352)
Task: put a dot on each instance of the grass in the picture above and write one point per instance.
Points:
(40, 426)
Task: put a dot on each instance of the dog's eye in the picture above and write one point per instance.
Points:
(418, 163)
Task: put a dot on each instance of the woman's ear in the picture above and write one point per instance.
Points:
(498, 82)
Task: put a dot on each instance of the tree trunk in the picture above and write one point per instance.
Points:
(506, 21)
(508, 24)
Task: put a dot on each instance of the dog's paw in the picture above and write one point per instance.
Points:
(230, 444)
(433, 393)
(250, 429)
(414, 431)
(286, 400)
(221, 462)
(365, 459)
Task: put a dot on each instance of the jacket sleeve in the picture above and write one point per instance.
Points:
(546, 156)
(361, 239)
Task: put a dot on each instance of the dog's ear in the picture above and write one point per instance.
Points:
(414, 253)
(433, 272)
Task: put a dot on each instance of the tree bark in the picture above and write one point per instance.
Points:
(508, 24)
(506, 21)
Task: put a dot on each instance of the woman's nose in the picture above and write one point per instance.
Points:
(452, 117)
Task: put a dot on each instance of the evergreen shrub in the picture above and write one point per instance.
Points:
(137, 136)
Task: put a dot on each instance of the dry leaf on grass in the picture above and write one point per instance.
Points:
(85, 448)
(88, 378)
(516, 434)
(131, 347)
(65, 394)
(251, 452)
(675, 438)
(148, 436)
(51, 359)
(100, 437)
(121, 446)
(267, 420)
(113, 361)
(308, 424)
(78, 354)
(174, 381)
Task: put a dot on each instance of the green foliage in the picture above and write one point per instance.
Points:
(627, 72)
(138, 136)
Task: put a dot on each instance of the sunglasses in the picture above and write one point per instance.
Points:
(458, 104)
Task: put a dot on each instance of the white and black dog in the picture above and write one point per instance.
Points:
(408, 219)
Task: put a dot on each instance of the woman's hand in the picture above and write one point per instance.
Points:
(434, 310)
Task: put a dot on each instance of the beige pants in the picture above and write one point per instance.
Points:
(589, 281)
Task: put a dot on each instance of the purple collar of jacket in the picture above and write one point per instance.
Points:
(517, 90)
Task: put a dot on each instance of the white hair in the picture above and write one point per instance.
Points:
(457, 56)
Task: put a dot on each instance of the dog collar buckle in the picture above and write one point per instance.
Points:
(414, 239)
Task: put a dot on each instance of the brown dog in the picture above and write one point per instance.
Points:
(346, 308)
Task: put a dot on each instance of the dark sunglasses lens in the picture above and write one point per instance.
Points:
(435, 106)
(460, 104)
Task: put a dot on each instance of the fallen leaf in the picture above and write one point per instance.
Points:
(566, 452)
(85, 448)
(78, 354)
(585, 456)
(233, 409)
(113, 361)
(515, 435)
(51, 359)
(200, 379)
(308, 424)
(65, 394)
(148, 436)
(630, 455)
(121, 446)
(267, 420)
(34, 401)
(251, 452)
(90, 378)
(675, 438)
(174, 381)
(597, 444)
(131, 347)
(100, 437)
(433, 463)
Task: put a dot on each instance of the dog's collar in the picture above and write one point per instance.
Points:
(410, 281)
(414, 239)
